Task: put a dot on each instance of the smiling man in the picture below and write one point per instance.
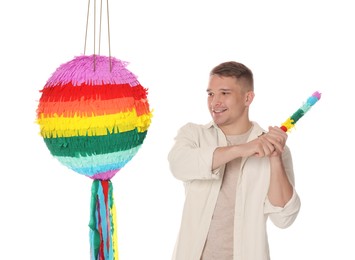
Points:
(236, 175)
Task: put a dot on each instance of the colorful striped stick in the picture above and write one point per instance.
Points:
(291, 121)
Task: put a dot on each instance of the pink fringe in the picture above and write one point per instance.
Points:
(81, 70)
(105, 175)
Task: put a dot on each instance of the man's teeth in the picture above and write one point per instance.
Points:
(218, 110)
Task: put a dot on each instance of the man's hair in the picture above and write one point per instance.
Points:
(236, 70)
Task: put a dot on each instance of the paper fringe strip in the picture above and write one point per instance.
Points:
(103, 227)
(291, 121)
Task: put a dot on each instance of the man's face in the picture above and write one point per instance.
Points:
(226, 100)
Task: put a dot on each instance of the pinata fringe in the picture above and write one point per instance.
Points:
(103, 226)
(93, 126)
(91, 165)
(88, 108)
(110, 143)
(69, 92)
(81, 70)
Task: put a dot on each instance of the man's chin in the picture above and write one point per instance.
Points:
(218, 121)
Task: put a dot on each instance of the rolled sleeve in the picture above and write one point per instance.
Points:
(283, 217)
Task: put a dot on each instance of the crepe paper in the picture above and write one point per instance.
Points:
(292, 120)
(94, 116)
(103, 226)
(92, 120)
(93, 70)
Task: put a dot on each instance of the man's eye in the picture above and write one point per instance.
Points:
(210, 94)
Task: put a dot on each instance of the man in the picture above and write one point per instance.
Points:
(236, 175)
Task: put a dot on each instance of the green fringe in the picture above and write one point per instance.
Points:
(88, 145)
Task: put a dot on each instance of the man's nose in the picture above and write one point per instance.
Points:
(215, 101)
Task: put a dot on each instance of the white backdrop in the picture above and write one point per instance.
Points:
(293, 48)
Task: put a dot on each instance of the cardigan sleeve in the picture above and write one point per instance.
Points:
(283, 217)
(189, 158)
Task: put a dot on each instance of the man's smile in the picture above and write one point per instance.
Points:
(218, 110)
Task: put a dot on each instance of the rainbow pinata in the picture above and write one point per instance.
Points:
(94, 120)
(94, 116)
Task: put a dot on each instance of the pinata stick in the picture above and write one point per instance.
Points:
(291, 121)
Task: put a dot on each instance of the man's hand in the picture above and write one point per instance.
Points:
(269, 144)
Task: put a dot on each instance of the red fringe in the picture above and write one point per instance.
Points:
(68, 92)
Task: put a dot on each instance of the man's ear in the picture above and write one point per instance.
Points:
(249, 97)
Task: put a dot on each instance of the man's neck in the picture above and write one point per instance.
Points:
(237, 128)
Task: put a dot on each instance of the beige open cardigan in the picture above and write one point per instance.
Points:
(190, 161)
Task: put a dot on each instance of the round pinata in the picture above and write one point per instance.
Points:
(94, 115)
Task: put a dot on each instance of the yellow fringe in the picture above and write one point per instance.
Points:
(114, 238)
(59, 126)
(288, 123)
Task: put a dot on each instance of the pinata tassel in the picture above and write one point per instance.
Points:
(103, 233)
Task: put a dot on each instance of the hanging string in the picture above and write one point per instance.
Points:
(109, 41)
(94, 35)
(87, 25)
(100, 26)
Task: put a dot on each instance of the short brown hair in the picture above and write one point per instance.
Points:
(236, 70)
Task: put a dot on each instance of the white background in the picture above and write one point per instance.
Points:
(293, 47)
